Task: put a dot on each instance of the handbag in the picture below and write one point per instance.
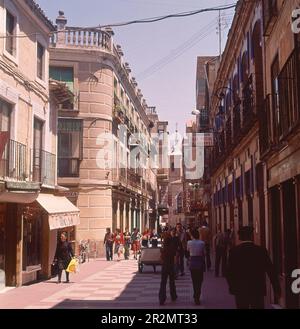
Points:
(54, 268)
(73, 266)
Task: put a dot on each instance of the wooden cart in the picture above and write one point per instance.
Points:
(149, 256)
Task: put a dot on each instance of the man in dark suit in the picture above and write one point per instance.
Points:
(168, 255)
(248, 265)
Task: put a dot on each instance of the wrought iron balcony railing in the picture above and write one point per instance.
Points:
(43, 167)
(13, 160)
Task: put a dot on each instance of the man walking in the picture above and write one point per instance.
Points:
(205, 236)
(221, 247)
(181, 249)
(109, 242)
(248, 265)
(168, 255)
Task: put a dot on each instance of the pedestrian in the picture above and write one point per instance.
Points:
(154, 239)
(119, 243)
(221, 248)
(181, 248)
(205, 235)
(145, 238)
(127, 243)
(109, 242)
(176, 245)
(196, 250)
(248, 265)
(168, 254)
(63, 255)
(135, 239)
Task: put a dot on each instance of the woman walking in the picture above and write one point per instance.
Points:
(119, 243)
(63, 256)
(196, 249)
(127, 240)
(135, 239)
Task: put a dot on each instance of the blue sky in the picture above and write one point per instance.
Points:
(162, 55)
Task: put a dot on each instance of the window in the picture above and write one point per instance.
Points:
(32, 238)
(37, 150)
(63, 74)
(40, 61)
(66, 75)
(5, 110)
(10, 43)
(288, 87)
(69, 147)
(275, 99)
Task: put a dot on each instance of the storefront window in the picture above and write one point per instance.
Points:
(32, 238)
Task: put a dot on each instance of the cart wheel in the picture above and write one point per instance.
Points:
(140, 268)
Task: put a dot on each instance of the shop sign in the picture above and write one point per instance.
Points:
(58, 221)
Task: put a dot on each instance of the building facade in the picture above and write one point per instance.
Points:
(279, 146)
(103, 134)
(27, 146)
(254, 112)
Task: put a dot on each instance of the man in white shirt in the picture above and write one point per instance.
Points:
(196, 249)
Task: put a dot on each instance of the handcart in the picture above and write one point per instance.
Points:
(149, 256)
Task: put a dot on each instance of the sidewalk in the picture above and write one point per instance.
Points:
(102, 284)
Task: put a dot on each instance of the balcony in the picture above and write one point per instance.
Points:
(13, 163)
(228, 134)
(248, 105)
(134, 179)
(44, 167)
(78, 37)
(236, 124)
(264, 127)
(270, 13)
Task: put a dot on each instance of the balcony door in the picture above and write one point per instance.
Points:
(5, 110)
(37, 150)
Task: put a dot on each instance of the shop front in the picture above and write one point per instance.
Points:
(284, 223)
(42, 221)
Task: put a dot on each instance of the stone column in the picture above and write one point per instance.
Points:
(124, 216)
(118, 214)
(128, 216)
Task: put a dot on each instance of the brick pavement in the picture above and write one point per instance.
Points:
(102, 285)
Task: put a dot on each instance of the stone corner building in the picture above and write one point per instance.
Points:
(255, 114)
(99, 133)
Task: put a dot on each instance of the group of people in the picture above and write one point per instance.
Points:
(244, 266)
(120, 243)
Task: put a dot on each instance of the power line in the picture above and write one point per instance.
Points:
(178, 15)
(141, 21)
(179, 51)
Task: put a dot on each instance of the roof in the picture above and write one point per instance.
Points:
(37, 10)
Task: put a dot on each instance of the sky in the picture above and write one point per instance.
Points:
(162, 55)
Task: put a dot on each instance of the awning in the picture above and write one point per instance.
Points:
(62, 213)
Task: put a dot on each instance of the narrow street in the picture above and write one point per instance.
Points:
(115, 285)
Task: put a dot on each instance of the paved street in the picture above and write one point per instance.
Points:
(102, 284)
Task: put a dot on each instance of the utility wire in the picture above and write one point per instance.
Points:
(178, 15)
(142, 21)
(179, 51)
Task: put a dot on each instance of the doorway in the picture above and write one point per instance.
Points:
(290, 240)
